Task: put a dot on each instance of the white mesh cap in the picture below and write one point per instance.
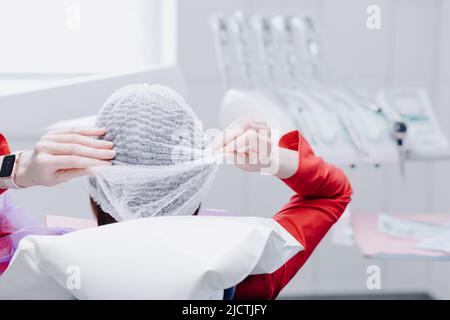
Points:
(162, 166)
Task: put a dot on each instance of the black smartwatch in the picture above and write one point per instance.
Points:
(8, 168)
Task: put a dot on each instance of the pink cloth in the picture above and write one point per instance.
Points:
(16, 224)
(376, 244)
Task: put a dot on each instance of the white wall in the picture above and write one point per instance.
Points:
(411, 49)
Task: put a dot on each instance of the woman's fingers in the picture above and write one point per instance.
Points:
(55, 148)
(248, 143)
(243, 143)
(235, 158)
(93, 132)
(248, 122)
(226, 136)
(77, 162)
(239, 127)
(250, 151)
(78, 139)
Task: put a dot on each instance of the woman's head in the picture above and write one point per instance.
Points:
(157, 137)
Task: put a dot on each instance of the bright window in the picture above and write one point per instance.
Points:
(56, 37)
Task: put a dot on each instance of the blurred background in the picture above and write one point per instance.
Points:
(47, 44)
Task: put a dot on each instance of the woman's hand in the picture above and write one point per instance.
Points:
(247, 143)
(62, 155)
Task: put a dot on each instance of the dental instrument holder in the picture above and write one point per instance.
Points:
(269, 51)
(319, 72)
(294, 35)
(271, 31)
(291, 57)
(222, 36)
(263, 76)
(283, 56)
(315, 70)
(296, 29)
(240, 32)
(264, 42)
(235, 99)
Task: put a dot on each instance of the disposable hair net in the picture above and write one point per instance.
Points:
(162, 166)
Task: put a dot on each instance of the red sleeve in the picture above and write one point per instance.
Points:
(322, 194)
(4, 149)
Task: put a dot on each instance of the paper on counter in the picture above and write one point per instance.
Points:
(440, 242)
(399, 227)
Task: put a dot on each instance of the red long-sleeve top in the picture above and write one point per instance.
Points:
(322, 193)
(4, 149)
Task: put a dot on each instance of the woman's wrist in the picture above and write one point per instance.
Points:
(288, 163)
(283, 163)
(19, 176)
(22, 178)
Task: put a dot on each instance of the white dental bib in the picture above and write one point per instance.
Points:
(176, 257)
